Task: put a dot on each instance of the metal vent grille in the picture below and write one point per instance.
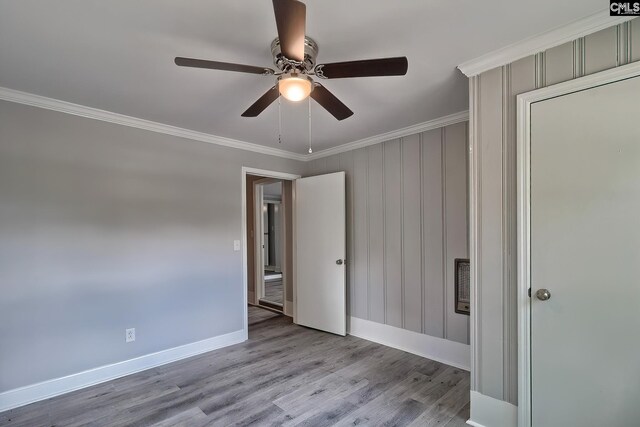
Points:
(462, 284)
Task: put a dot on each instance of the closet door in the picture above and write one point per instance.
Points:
(585, 258)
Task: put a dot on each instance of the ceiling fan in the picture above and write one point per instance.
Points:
(294, 55)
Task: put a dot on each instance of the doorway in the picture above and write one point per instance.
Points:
(313, 265)
(578, 240)
(270, 227)
(268, 239)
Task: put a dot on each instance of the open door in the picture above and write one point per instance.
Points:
(320, 253)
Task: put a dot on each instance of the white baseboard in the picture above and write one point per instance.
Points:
(438, 349)
(489, 412)
(46, 389)
(288, 308)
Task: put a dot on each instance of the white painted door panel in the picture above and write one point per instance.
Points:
(585, 249)
(320, 242)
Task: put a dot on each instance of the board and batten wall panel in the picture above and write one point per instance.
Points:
(375, 212)
(413, 314)
(346, 164)
(456, 215)
(408, 222)
(392, 194)
(633, 34)
(495, 353)
(358, 264)
(433, 234)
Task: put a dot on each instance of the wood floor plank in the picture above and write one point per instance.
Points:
(283, 375)
(445, 408)
(393, 405)
(183, 419)
(460, 420)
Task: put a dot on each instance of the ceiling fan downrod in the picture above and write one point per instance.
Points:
(310, 150)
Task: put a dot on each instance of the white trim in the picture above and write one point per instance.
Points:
(287, 279)
(46, 389)
(288, 308)
(489, 412)
(541, 42)
(474, 230)
(438, 349)
(294, 219)
(440, 122)
(258, 238)
(107, 116)
(25, 98)
(267, 174)
(524, 167)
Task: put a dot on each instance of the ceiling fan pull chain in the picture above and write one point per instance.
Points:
(279, 121)
(310, 150)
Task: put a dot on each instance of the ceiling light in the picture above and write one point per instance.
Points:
(294, 86)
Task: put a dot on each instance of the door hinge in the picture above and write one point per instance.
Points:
(529, 292)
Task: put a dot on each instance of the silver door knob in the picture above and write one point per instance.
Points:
(543, 294)
(339, 262)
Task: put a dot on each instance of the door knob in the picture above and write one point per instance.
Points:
(339, 262)
(543, 294)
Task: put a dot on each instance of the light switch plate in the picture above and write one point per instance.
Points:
(236, 245)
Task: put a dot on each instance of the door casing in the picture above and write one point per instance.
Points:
(524, 102)
(258, 201)
(266, 174)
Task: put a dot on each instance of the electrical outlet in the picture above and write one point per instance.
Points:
(236, 245)
(130, 334)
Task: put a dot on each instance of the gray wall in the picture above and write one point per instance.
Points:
(105, 227)
(495, 122)
(406, 223)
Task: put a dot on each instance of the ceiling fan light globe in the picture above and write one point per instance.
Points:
(295, 87)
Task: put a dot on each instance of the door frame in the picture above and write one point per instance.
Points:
(266, 174)
(524, 102)
(258, 224)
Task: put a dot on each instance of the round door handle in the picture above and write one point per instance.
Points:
(339, 262)
(543, 294)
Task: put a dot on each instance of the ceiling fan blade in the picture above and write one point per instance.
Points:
(226, 66)
(365, 68)
(262, 103)
(330, 102)
(291, 18)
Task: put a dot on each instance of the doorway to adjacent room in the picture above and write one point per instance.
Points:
(269, 225)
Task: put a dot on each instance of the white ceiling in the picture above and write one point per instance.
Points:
(117, 55)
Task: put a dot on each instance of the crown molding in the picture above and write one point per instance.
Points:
(25, 98)
(134, 122)
(541, 42)
(451, 119)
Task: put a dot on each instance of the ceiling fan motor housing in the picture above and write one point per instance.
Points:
(286, 65)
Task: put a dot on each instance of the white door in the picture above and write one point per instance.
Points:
(320, 253)
(585, 250)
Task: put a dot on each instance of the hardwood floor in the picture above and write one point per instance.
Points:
(283, 375)
(273, 291)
